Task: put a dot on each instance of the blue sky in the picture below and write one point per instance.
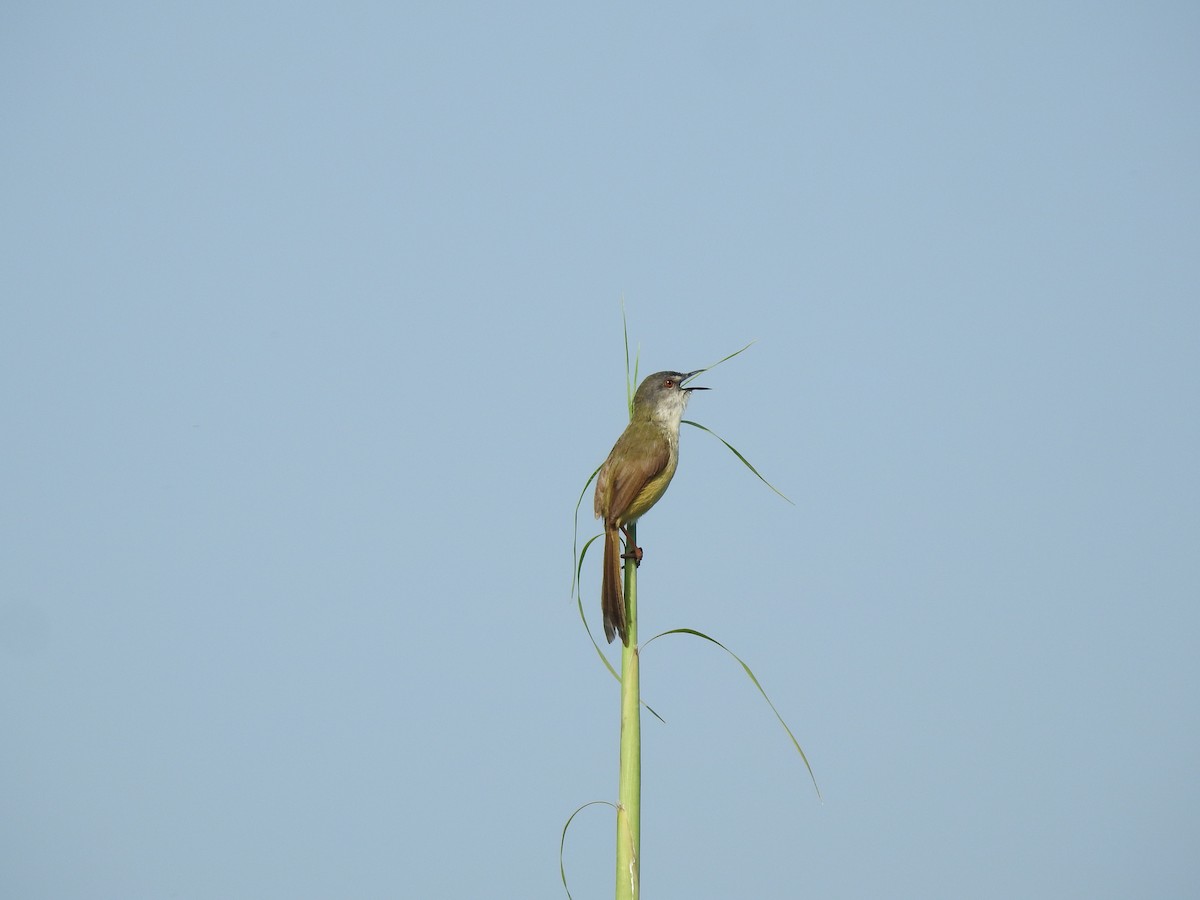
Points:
(311, 335)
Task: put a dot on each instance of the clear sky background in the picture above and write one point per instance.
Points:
(311, 334)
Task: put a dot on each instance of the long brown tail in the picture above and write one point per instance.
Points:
(611, 600)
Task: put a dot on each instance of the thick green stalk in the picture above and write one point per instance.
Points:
(629, 792)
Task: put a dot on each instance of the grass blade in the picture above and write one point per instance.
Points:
(575, 532)
(729, 357)
(754, 679)
(577, 590)
(562, 868)
(745, 461)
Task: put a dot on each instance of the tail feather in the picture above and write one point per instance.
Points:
(611, 600)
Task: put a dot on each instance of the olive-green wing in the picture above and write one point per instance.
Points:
(621, 482)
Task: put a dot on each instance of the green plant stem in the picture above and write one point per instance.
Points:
(629, 791)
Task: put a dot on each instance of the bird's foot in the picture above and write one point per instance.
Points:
(635, 554)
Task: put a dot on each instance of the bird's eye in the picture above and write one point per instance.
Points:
(670, 382)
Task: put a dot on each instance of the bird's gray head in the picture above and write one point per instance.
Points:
(664, 395)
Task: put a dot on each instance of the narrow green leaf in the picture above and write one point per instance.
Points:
(582, 554)
(575, 533)
(583, 615)
(750, 674)
(729, 357)
(735, 452)
(637, 376)
(577, 590)
(625, 332)
(562, 868)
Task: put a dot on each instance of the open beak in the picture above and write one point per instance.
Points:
(690, 375)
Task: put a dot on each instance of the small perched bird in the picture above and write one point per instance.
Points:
(634, 478)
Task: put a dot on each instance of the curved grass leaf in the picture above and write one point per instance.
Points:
(583, 616)
(719, 361)
(575, 533)
(562, 868)
(745, 461)
(577, 590)
(625, 333)
(750, 674)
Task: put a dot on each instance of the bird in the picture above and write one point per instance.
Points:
(635, 476)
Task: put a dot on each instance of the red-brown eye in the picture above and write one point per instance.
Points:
(669, 383)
